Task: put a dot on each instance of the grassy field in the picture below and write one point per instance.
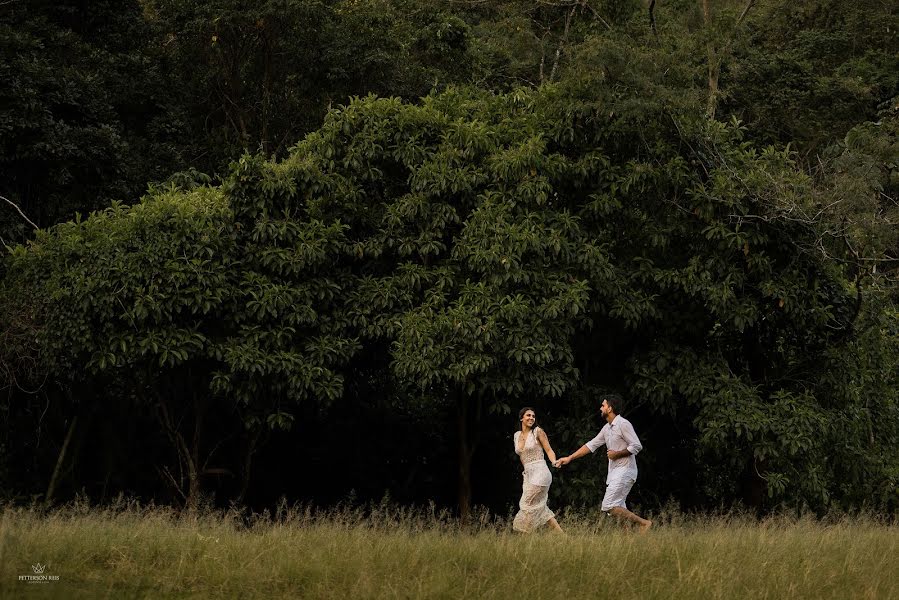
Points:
(134, 552)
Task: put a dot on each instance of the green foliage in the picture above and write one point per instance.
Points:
(480, 248)
(490, 243)
(249, 75)
(290, 327)
(257, 77)
(394, 48)
(861, 189)
(177, 302)
(499, 246)
(809, 72)
(174, 282)
(129, 286)
(82, 122)
(102, 99)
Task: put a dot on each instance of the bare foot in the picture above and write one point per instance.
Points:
(645, 527)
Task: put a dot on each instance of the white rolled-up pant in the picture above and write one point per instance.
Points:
(617, 489)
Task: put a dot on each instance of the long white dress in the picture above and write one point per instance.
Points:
(537, 478)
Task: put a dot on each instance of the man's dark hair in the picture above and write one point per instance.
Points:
(615, 401)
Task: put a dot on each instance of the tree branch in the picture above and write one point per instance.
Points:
(19, 210)
(597, 15)
(562, 42)
(749, 5)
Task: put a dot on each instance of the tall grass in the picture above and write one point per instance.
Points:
(130, 551)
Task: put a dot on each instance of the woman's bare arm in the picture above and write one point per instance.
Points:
(544, 441)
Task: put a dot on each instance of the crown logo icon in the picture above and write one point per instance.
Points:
(38, 568)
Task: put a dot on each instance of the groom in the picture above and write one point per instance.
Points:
(622, 443)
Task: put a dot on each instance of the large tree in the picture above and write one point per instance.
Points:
(486, 249)
(216, 317)
(505, 244)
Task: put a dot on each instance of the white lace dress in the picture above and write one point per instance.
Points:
(533, 511)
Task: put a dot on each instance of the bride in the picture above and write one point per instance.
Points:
(530, 442)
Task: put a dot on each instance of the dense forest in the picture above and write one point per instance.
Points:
(324, 250)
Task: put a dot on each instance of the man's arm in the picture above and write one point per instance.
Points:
(588, 448)
(582, 451)
(630, 437)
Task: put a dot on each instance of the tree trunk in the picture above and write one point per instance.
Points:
(247, 463)
(562, 42)
(193, 464)
(755, 488)
(185, 456)
(51, 487)
(465, 455)
(193, 487)
(714, 72)
(266, 87)
(468, 424)
(717, 54)
(713, 66)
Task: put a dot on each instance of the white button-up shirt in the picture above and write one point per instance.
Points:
(618, 435)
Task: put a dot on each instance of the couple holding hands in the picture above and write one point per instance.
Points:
(622, 445)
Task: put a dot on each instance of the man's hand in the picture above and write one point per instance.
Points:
(616, 454)
(562, 462)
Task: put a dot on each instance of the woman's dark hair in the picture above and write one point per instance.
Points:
(615, 401)
(521, 416)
